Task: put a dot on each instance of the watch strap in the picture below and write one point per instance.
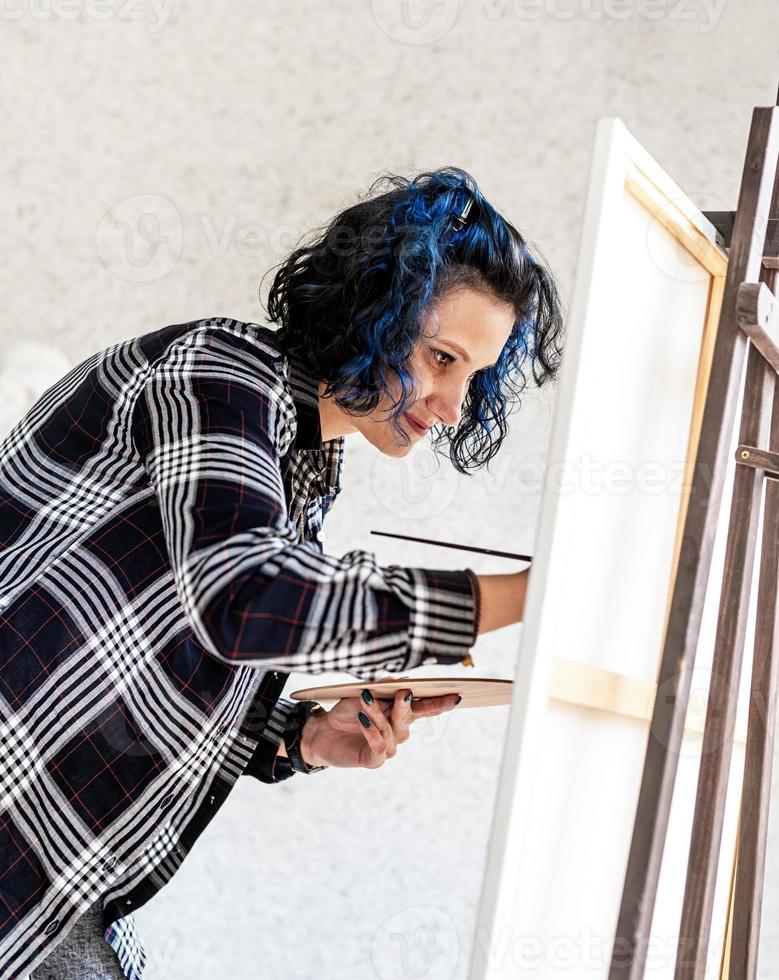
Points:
(293, 732)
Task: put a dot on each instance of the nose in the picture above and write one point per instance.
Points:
(447, 403)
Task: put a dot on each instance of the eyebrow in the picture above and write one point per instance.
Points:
(463, 354)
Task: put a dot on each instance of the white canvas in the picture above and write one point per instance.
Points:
(631, 386)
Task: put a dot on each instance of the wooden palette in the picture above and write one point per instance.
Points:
(476, 692)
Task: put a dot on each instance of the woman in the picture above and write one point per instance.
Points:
(162, 567)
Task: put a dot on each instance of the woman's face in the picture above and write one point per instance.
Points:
(462, 333)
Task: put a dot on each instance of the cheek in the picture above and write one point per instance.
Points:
(421, 381)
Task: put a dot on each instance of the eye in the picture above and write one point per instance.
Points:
(436, 351)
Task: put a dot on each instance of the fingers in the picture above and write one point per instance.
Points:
(378, 732)
(429, 707)
(402, 716)
(386, 724)
(418, 708)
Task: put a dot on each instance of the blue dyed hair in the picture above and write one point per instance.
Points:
(351, 304)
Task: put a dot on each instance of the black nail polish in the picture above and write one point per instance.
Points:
(364, 720)
(367, 696)
(409, 696)
(459, 699)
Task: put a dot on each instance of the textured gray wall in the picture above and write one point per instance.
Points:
(157, 161)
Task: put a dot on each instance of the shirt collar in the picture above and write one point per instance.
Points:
(304, 389)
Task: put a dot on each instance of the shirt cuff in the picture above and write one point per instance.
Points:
(443, 619)
(266, 764)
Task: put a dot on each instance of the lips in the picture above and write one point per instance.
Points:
(422, 429)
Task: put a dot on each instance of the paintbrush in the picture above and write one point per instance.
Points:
(460, 547)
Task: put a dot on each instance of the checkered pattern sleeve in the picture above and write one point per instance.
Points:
(211, 424)
(266, 764)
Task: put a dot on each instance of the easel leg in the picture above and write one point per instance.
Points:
(720, 724)
(756, 788)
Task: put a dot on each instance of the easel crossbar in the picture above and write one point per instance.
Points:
(757, 313)
(760, 459)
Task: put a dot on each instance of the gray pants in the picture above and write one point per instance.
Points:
(83, 954)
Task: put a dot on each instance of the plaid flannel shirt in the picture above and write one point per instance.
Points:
(161, 572)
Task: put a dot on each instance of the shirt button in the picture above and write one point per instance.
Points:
(167, 801)
(320, 535)
(51, 925)
(109, 863)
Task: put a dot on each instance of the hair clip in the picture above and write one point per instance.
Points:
(460, 219)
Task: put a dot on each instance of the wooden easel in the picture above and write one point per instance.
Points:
(748, 326)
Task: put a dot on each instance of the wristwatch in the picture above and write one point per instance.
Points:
(293, 731)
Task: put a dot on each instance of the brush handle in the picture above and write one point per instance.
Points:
(460, 547)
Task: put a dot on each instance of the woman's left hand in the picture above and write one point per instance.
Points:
(339, 738)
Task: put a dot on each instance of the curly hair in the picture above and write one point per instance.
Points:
(351, 304)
